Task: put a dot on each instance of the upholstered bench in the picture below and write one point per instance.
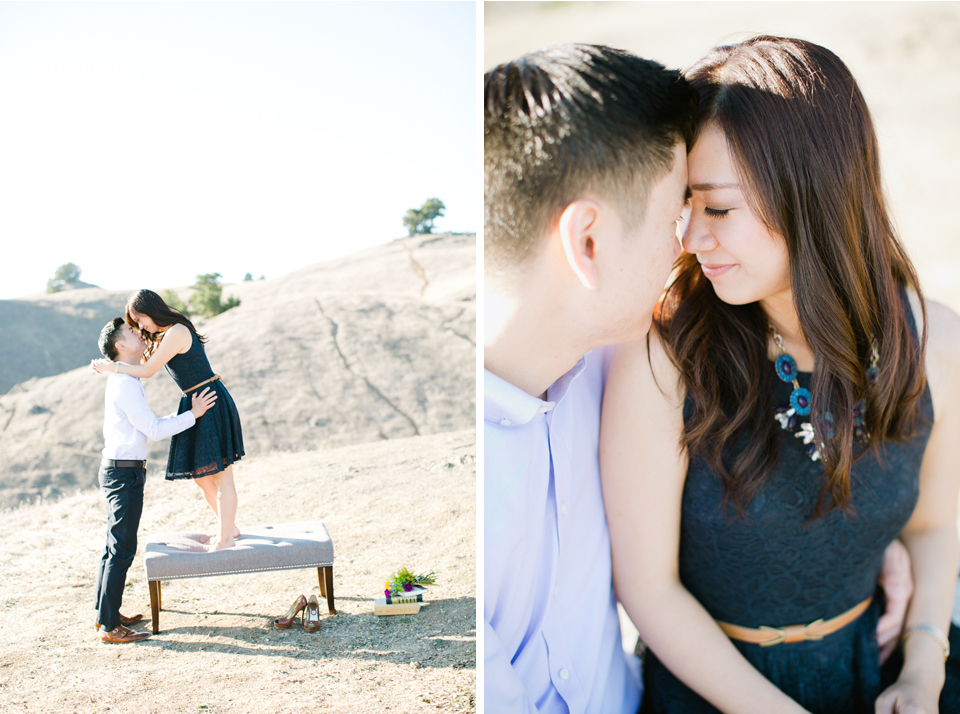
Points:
(289, 546)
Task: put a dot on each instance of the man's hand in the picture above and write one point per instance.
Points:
(102, 366)
(897, 583)
(202, 402)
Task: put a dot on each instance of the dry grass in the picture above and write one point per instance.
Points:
(386, 504)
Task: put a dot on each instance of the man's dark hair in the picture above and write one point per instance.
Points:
(109, 336)
(570, 120)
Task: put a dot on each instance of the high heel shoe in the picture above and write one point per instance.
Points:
(285, 622)
(311, 615)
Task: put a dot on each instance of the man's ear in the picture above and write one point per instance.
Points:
(578, 222)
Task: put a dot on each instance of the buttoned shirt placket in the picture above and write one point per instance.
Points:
(563, 673)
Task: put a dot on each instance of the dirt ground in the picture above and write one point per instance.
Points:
(386, 504)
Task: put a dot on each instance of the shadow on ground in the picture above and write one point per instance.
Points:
(442, 634)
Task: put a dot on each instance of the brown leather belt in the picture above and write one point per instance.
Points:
(214, 378)
(110, 463)
(766, 636)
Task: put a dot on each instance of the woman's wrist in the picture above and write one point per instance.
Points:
(929, 631)
(923, 662)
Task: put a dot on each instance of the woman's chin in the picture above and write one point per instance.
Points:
(734, 295)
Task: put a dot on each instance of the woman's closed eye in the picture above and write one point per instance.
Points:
(716, 212)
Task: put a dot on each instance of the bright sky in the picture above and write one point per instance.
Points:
(152, 142)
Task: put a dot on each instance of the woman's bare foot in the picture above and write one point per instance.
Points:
(214, 539)
(215, 546)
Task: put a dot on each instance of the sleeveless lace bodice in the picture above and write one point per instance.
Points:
(191, 367)
(775, 565)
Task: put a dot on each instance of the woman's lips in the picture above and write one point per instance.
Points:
(715, 271)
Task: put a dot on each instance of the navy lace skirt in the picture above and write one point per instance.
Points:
(215, 442)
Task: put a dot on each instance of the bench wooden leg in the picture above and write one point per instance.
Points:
(325, 576)
(155, 605)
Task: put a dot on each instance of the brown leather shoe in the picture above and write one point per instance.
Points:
(124, 620)
(121, 635)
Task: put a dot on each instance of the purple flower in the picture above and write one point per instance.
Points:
(407, 587)
(386, 592)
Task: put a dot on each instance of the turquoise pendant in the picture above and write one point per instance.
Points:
(800, 400)
(786, 368)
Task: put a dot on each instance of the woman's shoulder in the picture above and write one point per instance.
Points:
(943, 347)
(178, 328)
(943, 326)
(647, 362)
(181, 335)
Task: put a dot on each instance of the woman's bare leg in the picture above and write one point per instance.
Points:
(208, 487)
(226, 508)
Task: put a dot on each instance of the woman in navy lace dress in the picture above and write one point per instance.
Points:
(796, 409)
(206, 452)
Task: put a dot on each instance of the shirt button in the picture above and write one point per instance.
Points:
(564, 674)
(556, 589)
(563, 507)
(506, 422)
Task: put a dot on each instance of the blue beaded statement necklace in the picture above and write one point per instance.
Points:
(800, 400)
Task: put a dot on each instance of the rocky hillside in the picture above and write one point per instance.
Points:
(44, 335)
(377, 345)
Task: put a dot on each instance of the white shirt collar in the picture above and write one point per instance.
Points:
(508, 405)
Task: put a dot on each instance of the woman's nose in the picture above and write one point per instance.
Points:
(697, 237)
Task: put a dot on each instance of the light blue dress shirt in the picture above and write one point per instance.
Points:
(551, 632)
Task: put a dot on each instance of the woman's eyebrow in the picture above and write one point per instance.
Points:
(713, 186)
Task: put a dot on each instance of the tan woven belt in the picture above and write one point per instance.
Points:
(214, 378)
(766, 636)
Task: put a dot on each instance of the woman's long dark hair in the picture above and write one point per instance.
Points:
(147, 302)
(805, 150)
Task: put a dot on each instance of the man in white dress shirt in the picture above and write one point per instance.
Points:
(584, 181)
(128, 423)
(585, 178)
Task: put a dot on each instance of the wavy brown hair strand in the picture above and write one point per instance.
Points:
(805, 149)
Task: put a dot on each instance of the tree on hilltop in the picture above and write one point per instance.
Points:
(174, 301)
(66, 276)
(205, 299)
(420, 220)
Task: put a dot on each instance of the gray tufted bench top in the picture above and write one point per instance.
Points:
(168, 556)
(288, 546)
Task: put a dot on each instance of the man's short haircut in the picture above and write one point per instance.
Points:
(109, 336)
(568, 121)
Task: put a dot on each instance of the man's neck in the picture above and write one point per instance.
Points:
(129, 359)
(527, 340)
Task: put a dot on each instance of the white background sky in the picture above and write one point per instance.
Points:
(152, 142)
